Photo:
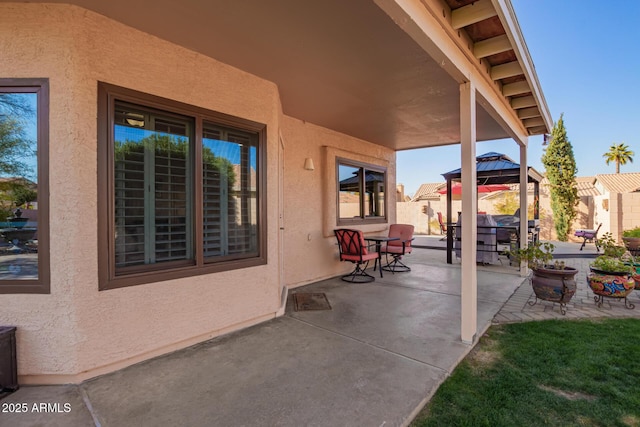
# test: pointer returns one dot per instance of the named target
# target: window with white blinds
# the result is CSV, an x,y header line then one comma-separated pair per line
x,y
185,189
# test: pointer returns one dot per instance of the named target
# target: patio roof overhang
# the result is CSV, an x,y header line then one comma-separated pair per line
x,y
386,71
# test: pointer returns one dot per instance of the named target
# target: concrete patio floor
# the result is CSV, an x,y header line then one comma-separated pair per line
x,y
375,358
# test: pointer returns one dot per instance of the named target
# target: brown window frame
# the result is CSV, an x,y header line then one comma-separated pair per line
x,y
41,285
108,276
362,218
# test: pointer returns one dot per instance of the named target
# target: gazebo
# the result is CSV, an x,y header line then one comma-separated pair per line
x,y
493,168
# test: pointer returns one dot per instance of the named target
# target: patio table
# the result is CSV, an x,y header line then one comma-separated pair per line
x,y
378,240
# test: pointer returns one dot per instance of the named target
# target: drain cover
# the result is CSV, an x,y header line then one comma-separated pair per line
x,y
310,301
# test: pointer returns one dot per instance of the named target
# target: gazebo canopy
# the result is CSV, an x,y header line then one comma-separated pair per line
x,y
496,168
493,168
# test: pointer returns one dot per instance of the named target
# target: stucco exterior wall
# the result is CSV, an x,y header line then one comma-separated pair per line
x,y
310,252
630,211
618,212
423,214
77,332
413,213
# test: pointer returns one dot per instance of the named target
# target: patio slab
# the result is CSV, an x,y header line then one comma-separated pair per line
x,y
284,372
375,358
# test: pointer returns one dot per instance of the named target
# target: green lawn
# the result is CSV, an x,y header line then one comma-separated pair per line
x,y
551,373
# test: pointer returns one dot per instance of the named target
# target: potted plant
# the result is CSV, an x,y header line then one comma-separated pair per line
x,y
610,275
553,282
633,262
631,239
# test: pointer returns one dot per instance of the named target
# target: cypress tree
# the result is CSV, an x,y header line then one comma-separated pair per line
x,y
560,165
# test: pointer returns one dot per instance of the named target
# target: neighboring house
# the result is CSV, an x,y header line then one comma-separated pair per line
x,y
176,201
400,196
617,206
421,210
428,191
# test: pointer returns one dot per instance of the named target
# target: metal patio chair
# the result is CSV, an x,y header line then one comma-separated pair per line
x,y
398,248
352,248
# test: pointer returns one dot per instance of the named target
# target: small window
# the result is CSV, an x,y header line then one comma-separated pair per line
x,y
185,186
24,193
361,192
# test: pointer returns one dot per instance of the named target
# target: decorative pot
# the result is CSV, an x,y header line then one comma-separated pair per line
x,y
632,244
550,284
636,275
611,285
554,285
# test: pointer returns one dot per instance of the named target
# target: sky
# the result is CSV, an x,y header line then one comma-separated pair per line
x,y
587,58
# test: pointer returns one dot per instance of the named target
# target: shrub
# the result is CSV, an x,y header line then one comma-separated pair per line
x,y
634,232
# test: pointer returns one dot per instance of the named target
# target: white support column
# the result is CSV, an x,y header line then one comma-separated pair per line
x,y
469,271
524,223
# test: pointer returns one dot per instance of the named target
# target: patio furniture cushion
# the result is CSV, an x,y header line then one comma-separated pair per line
x,y
398,248
352,248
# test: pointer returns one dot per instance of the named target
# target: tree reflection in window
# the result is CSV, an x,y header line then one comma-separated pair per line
x,y
18,184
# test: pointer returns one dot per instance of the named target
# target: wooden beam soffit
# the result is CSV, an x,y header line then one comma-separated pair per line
x,y
510,69
472,13
510,23
538,130
516,88
491,46
533,122
523,102
528,113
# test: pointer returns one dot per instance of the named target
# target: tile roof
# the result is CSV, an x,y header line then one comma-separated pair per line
x,y
428,191
584,184
586,187
619,182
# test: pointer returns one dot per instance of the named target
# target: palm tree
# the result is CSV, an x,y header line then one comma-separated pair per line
x,y
620,154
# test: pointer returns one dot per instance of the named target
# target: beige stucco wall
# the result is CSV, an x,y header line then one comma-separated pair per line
x,y
617,212
310,252
630,211
76,331
423,214
412,213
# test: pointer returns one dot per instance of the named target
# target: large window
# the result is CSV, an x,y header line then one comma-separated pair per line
x,y
185,189
361,192
24,214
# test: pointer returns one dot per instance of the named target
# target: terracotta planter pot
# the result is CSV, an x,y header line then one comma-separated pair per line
x,y
632,244
554,285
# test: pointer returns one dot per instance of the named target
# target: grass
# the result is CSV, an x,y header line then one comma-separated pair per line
x,y
550,373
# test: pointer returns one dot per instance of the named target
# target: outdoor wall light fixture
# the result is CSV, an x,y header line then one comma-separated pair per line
x,y
308,164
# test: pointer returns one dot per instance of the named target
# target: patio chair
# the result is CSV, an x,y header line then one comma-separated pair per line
x,y
590,236
353,249
398,248
443,226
